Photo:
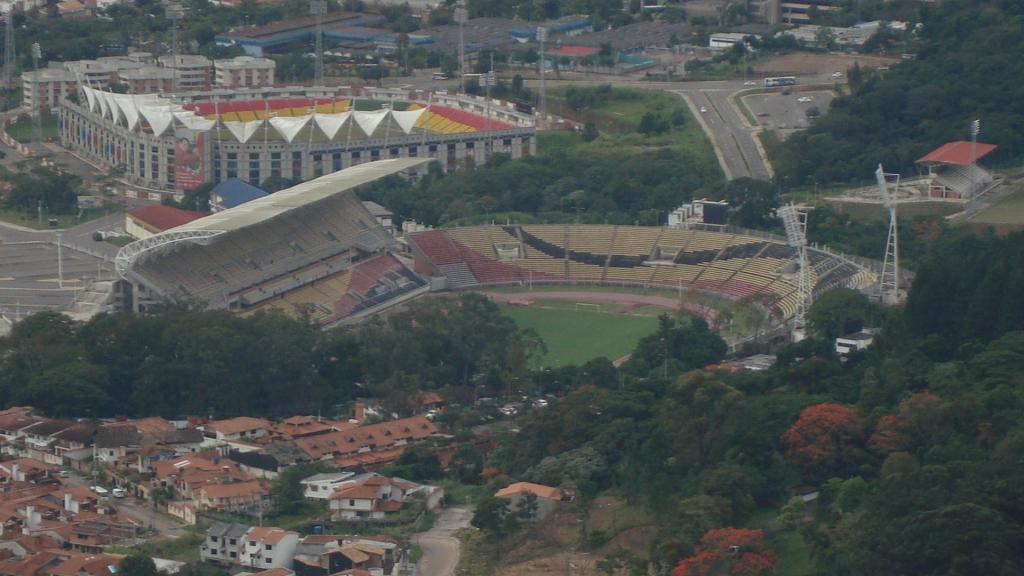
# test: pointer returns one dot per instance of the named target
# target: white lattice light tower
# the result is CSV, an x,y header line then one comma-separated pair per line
x,y
795,223
461,17
975,130
318,8
889,281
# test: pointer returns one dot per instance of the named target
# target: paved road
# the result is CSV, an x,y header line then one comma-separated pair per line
x,y
440,546
140,512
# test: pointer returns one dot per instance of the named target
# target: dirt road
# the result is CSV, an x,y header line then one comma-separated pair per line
x,y
439,544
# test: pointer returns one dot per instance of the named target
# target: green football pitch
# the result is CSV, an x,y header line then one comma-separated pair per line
x,y
576,336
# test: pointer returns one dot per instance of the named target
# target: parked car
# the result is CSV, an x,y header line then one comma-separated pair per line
x,y
703,110
750,83
837,74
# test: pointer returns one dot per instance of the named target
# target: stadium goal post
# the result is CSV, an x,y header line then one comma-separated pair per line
x,y
587,306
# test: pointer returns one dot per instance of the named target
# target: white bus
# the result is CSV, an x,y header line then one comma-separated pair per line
x,y
779,81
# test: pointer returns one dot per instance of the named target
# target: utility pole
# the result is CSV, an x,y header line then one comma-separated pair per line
x,y
542,37
9,58
60,260
318,8
174,12
461,17
37,127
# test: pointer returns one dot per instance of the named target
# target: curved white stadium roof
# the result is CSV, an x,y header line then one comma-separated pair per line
x,y
266,208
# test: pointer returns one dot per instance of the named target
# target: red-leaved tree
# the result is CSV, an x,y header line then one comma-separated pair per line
x,y
826,440
917,420
728,551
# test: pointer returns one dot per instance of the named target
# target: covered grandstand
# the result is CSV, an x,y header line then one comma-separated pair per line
x,y
176,144
311,249
738,265
954,172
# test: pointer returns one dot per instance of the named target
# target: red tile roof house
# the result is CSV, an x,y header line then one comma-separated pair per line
x,y
548,498
233,497
241,428
150,220
374,498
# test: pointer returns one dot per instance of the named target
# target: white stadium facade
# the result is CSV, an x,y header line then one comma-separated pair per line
x,y
172,144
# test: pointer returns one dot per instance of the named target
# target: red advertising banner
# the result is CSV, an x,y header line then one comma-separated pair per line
x,y
189,157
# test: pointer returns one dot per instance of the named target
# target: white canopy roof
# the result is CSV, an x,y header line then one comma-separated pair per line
x,y
242,131
126,104
330,124
90,96
368,121
289,126
159,117
406,119
194,122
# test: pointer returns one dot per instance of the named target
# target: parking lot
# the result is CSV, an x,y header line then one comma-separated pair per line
x,y
29,280
787,113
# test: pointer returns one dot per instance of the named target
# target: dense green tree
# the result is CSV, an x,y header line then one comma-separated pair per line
x,y
137,565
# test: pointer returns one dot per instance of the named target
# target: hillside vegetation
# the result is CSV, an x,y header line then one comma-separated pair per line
x,y
970,66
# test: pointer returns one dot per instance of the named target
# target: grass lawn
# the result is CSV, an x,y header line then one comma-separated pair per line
x,y
184,549
1009,210
860,211
618,118
794,557
21,129
31,219
575,337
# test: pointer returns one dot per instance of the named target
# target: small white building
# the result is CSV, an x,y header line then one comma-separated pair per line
x,y
321,486
726,40
268,547
854,342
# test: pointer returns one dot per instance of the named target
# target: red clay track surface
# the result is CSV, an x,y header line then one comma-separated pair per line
x,y
708,314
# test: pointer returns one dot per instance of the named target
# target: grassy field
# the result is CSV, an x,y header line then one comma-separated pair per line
x,y
31,219
906,210
574,337
618,118
793,555
1008,211
21,130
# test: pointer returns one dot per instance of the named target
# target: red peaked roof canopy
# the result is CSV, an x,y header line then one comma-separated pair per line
x,y
165,217
961,153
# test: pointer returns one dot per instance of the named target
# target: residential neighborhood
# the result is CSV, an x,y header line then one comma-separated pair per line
x,y
70,490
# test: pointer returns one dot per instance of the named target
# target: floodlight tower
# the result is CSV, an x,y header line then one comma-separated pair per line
x,y
542,37
461,17
975,130
889,281
37,128
9,57
174,12
795,223
318,8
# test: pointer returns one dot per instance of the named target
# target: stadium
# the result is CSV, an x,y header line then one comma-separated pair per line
x,y
748,266
311,250
314,251
173,144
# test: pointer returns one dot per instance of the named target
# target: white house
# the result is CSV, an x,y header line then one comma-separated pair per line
x,y
268,547
321,486
371,499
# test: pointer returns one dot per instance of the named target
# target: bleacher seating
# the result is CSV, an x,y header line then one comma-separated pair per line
x,y
733,265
